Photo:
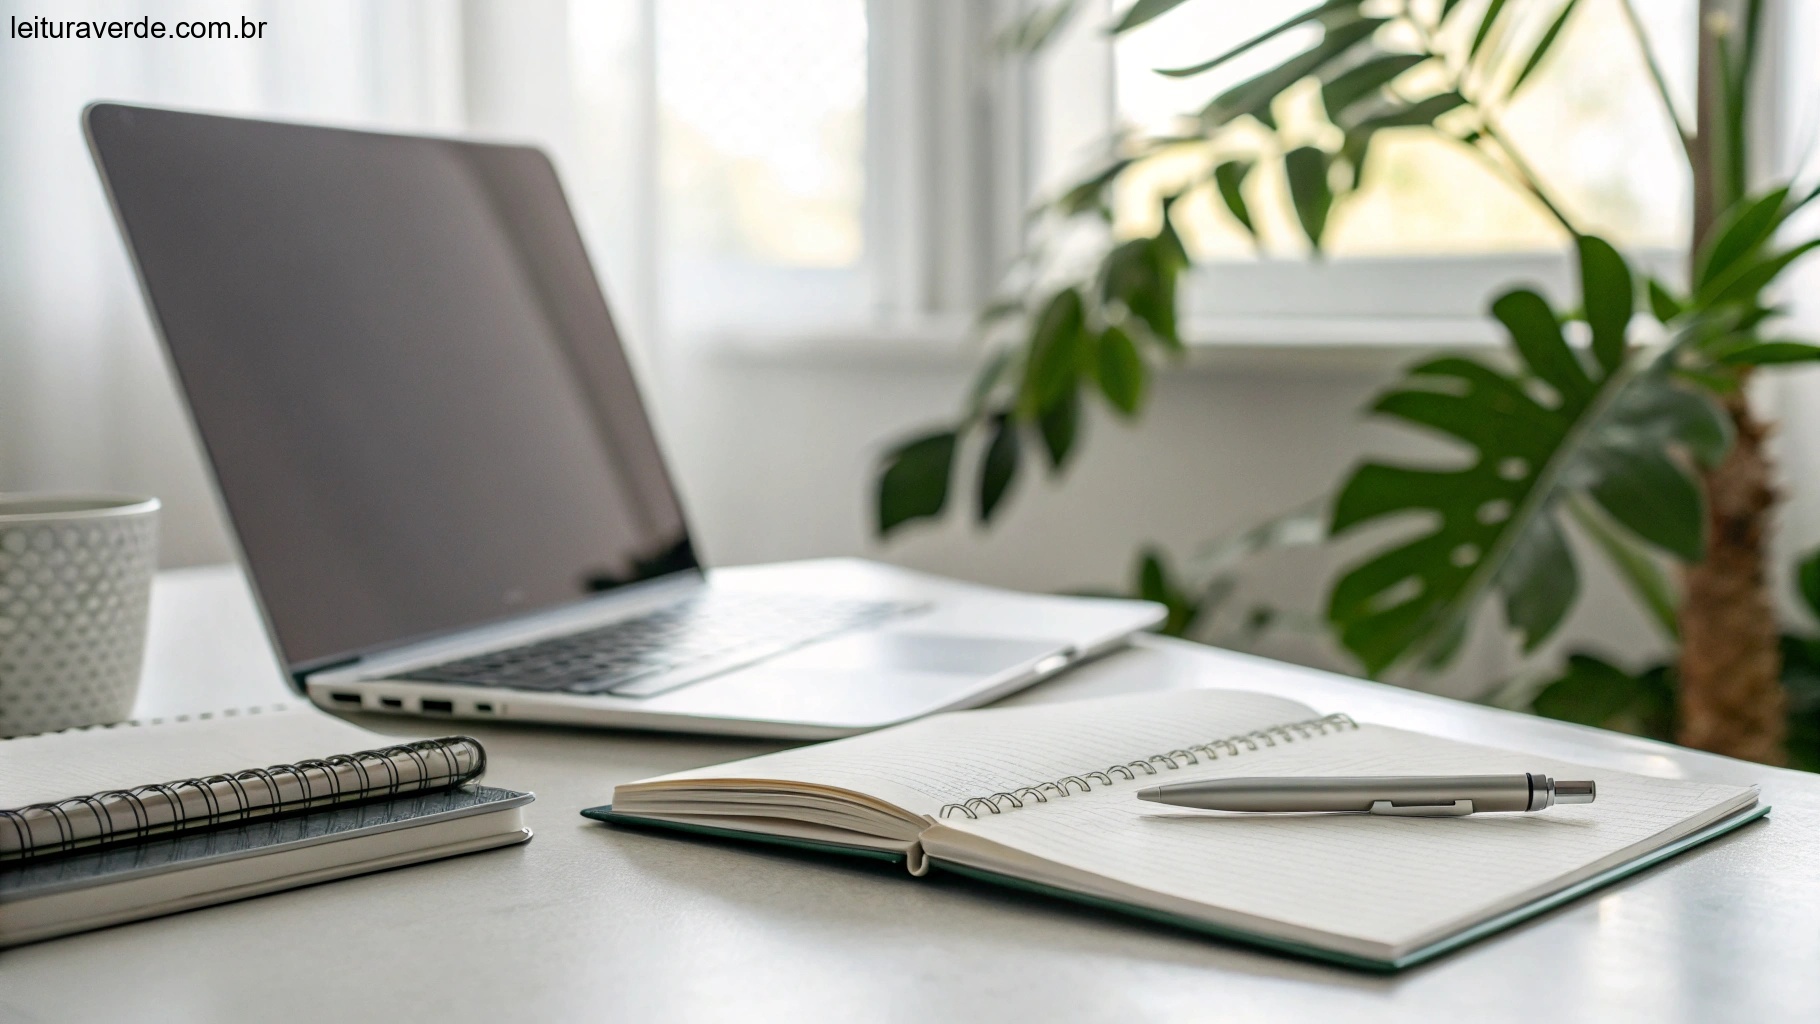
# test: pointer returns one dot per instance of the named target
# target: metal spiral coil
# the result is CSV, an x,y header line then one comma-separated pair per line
x,y
166,807
1194,753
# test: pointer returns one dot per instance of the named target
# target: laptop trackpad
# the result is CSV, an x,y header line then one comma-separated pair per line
x,y
947,653
863,679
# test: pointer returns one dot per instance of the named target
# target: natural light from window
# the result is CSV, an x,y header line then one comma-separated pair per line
x,y
762,122
1589,122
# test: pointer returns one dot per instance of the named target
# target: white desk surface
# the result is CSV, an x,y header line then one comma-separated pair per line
x,y
592,922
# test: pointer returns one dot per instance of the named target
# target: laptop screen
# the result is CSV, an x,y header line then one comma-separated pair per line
x,y
402,369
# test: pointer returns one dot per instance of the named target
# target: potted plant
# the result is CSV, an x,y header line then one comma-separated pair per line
x,y
1646,443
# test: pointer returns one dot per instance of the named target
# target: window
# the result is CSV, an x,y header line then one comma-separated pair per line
x,y
791,165
1589,123
845,168
761,121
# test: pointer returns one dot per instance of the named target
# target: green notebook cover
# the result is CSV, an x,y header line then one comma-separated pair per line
x,y
607,814
1429,952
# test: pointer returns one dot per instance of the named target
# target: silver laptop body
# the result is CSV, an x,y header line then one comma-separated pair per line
x,y
442,478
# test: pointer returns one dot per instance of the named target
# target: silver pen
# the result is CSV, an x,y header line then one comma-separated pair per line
x,y
1411,795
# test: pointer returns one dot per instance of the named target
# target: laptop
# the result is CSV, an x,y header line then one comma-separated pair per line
x,y
445,488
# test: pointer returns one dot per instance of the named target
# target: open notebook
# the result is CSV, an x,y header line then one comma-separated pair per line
x,y
1043,797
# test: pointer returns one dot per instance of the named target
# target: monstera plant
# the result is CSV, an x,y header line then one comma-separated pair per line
x,y
1642,440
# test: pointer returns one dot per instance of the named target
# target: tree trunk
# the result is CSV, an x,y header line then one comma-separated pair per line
x,y
1731,698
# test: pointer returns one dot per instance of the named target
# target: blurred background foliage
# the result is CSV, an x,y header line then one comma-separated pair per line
x,y
1622,418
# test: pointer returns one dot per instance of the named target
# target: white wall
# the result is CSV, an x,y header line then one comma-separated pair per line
x,y
776,456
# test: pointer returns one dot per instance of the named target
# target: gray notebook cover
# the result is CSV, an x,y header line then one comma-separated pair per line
x,y
41,876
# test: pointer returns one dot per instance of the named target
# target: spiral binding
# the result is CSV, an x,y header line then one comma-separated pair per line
x,y
184,805
998,803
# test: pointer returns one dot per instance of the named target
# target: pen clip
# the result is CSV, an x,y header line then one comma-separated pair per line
x,y
1457,809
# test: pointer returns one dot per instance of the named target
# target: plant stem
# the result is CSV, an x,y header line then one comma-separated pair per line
x,y
1526,176
1656,76
1518,172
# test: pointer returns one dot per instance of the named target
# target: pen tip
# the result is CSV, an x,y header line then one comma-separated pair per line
x,y
1152,793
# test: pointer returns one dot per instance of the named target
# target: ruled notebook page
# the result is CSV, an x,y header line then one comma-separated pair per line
x,y
945,758
1397,882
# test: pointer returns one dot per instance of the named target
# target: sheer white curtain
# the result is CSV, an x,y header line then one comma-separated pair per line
x,y
85,400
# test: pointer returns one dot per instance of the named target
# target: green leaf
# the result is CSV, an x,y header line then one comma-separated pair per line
x,y
1801,681
1141,275
1637,568
1609,296
914,484
986,382
1539,583
1654,412
1312,14
1491,16
1536,333
1121,371
1088,194
1054,366
999,467
1542,46
1807,581
1713,381
1156,583
1143,11
1662,303
1229,178
1171,253
1654,498
1366,80
1741,231
1421,114
1306,167
1255,95
1592,691
1771,352
1745,279
1059,425
1490,525
1152,578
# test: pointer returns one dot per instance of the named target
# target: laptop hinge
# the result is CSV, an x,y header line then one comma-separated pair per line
x,y
303,672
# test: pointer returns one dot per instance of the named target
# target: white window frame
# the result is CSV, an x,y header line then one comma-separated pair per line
x,y
961,141
1385,303
943,110
946,184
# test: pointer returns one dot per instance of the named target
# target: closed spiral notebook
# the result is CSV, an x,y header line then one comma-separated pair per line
x,y
1042,798
109,824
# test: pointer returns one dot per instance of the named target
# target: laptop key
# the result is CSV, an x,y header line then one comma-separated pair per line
x,y
695,671
671,647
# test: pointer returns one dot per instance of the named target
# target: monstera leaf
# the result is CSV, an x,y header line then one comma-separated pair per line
x,y
1610,424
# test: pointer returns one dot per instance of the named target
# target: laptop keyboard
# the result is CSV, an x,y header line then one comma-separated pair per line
x,y
686,642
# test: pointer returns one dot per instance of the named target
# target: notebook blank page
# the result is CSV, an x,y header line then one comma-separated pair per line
x,y
948,758
1385,880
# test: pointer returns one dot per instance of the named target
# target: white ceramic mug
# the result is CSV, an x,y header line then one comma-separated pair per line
x,y
75,587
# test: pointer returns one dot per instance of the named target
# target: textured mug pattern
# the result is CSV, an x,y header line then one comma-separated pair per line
x,y
75,588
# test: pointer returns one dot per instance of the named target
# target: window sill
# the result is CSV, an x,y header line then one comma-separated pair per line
x,y
1298,343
